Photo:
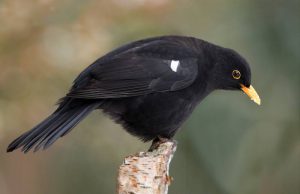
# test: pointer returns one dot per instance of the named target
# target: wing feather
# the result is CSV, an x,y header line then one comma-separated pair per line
x,y
139,71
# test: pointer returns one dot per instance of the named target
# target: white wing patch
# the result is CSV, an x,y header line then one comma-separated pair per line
x,y
174,65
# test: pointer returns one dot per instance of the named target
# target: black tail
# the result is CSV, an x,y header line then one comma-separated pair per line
x,y
63,120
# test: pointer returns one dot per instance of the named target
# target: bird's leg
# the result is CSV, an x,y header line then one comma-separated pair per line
x,y
157,141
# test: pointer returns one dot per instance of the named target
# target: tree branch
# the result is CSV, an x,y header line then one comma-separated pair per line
x,y
147,172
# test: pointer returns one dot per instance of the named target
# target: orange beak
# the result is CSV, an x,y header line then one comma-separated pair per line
x,y
251,93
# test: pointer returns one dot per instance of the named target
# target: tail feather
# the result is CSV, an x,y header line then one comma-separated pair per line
x,y
41,135
51,137
29,135
53,127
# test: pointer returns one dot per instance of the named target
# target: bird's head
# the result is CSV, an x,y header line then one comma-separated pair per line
x,y
232,72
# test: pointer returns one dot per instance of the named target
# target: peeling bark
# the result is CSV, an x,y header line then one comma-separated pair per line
x,y
147,172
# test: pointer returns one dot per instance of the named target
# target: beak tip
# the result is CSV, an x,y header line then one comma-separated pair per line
x,y
258,103
250,91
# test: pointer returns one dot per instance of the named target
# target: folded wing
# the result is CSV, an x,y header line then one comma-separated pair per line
x,y
144,69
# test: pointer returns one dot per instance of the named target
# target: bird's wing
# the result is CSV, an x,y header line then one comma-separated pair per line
x,y
145,69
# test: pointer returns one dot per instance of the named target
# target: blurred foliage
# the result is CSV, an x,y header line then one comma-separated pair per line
x,y
229,145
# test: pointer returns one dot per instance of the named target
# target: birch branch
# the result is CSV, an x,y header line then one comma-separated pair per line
x,y
147,172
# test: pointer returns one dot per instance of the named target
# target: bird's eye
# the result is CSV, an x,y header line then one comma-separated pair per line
x,y
236,74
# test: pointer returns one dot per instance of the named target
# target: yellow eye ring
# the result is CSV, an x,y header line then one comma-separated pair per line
x,y
236,74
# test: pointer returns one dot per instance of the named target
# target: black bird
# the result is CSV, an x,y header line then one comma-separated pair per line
x,y
149,86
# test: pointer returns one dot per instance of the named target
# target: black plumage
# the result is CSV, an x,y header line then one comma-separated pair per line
x,y
149,86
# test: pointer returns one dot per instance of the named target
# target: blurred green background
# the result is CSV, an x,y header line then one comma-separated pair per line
x,y
228,146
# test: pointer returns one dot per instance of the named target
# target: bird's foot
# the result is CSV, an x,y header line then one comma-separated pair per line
x,y
157,141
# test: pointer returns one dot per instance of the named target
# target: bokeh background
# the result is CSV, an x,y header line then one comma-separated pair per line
x,y
228,146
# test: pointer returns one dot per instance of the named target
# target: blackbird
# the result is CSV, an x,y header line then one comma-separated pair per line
x,y
149,86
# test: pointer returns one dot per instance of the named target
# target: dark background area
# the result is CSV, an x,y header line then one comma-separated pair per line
x,y
228,146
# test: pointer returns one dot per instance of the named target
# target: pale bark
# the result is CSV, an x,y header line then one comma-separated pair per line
x,y
147,172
